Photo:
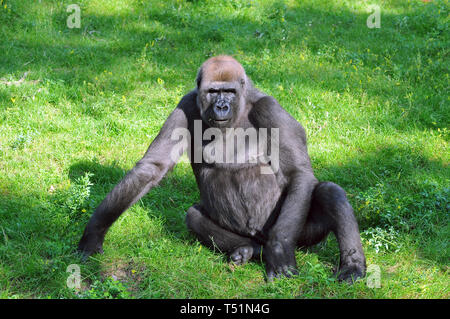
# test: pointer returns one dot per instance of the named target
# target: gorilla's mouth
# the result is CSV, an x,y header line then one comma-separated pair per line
x,y
221,122
218,121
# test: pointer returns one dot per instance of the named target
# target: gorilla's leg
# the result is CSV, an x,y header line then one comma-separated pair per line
x,y
239,248
331,211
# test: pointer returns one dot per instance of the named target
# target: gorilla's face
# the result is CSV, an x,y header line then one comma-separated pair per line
x,y
219,103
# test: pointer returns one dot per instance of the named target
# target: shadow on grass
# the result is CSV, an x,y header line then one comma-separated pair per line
x,y
169,200
36,228
38,235
373,176
184,38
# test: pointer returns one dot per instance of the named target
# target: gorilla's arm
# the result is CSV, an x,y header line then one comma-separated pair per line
x,y
279,250
147,173
295,168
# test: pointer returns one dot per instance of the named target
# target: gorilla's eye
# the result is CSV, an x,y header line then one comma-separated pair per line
x,y
213,91
230,91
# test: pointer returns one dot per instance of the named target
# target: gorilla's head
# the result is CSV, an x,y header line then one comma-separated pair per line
x,y
221,87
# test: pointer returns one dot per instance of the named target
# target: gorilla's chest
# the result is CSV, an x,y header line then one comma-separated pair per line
x,y
241,200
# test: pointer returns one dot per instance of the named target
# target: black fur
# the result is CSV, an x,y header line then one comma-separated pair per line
x,y
242,212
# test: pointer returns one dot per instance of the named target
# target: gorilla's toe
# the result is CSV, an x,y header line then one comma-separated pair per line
x,y
241,255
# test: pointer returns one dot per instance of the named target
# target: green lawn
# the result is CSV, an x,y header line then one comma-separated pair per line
x,y
374,103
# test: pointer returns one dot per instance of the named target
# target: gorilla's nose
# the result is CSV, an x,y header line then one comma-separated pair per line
x,y
221,111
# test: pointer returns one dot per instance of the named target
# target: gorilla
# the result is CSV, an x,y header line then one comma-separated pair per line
x,y
250,206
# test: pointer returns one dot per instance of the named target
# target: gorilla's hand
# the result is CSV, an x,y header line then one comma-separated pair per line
x,y
279,259
91,243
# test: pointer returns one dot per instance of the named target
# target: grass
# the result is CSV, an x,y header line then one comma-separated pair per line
x,y
374,103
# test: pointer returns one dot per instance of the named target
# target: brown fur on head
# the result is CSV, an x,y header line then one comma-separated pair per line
x,y
222,68
222,87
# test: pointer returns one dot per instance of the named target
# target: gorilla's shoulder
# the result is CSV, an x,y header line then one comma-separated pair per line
x,y
268,107
267,102
267,112
188,102
189,99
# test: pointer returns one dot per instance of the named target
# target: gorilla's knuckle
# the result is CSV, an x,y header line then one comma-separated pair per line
x,y
244,250
277,248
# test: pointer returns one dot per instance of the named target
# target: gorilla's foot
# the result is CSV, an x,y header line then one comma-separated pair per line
x,y
243,254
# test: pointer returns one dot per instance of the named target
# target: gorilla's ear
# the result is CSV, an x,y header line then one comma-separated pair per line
x,y
199,78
